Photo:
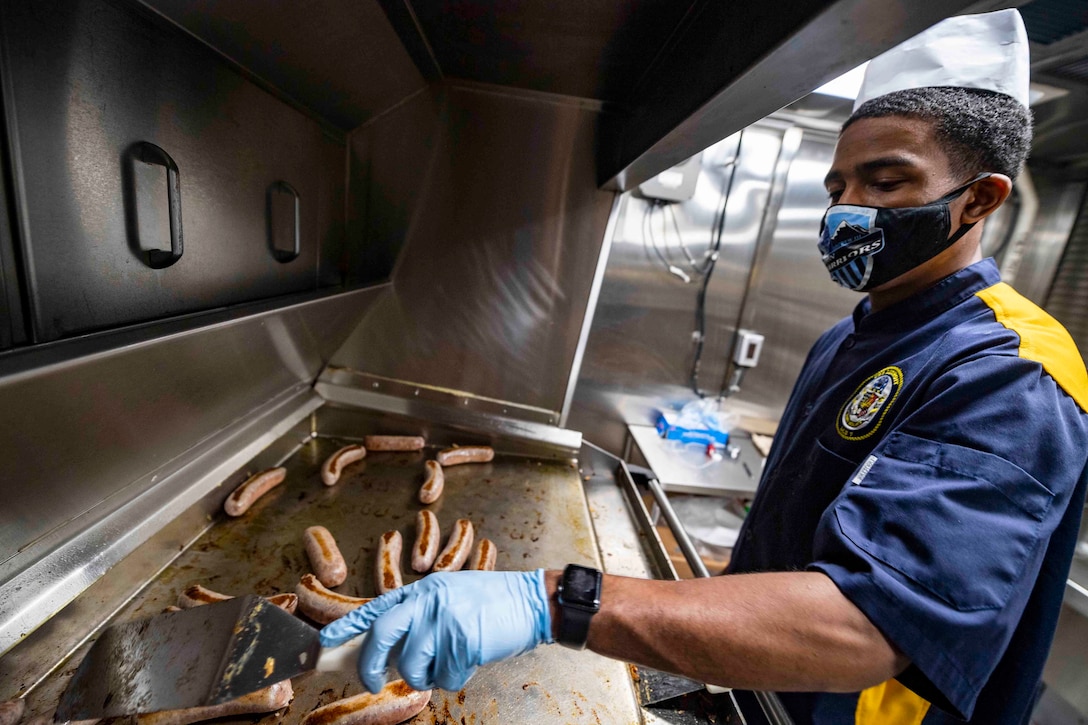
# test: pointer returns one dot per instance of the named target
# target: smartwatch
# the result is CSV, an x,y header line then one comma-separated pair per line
x,y
579,598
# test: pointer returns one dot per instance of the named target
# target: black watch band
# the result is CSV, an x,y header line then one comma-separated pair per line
x,y
579,598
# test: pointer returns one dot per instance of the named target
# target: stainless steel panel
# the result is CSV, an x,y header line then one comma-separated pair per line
x,y
794,300
102,421
534,511
439,397
390,166
501,247
640,351
339,58
61,565
86,80
1058,148
569,47
591,307
23,667
1067,299
12,326
476,424
1059,205
735,63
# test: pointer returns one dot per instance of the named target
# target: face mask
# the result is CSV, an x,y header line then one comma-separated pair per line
x,y
865,246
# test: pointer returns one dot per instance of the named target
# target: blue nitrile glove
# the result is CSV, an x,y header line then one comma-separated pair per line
x,y
447,625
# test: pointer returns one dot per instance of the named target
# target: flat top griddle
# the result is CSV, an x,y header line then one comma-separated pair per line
x,y
534,511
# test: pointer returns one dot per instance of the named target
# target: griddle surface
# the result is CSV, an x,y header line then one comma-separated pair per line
x,y
534,511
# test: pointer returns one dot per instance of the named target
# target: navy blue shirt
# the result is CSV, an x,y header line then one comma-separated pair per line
x,y
932,462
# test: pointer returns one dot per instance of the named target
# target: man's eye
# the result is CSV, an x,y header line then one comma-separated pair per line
x,y
888,185
834,194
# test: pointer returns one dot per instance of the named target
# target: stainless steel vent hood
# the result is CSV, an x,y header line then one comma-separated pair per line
x,y
676,76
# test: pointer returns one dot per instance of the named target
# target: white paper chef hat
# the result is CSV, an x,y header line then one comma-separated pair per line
x,y
987,51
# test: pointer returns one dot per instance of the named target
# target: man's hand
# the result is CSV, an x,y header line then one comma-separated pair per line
x,y
446,625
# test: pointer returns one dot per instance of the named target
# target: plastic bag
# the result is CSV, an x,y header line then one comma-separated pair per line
x,y
704,413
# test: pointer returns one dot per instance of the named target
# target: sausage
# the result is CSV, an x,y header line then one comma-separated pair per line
x,y
12,711
320,604
395,443
387,575
484,558
335,464
467,454
428,537
271,698
457,548
395,703
252,489
288,601
433,485
325,556
197,595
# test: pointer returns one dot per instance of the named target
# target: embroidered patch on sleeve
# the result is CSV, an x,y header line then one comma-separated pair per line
x,y
863,413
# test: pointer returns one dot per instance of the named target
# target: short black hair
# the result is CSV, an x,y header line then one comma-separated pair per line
x,y
978,130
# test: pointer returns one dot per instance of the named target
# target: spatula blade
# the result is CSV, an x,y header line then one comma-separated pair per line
x,y
201,656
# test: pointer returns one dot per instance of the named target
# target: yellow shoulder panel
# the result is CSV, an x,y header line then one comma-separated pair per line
x,y
1042,339
890,703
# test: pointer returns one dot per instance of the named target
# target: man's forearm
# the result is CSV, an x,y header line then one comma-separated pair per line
x,y
778,631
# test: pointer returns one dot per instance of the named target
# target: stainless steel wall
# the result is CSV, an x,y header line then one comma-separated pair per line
x,y
793,299
1067,297
639,354
640,350
1059,204
502,226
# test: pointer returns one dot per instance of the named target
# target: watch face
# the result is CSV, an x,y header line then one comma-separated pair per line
x,y
581,585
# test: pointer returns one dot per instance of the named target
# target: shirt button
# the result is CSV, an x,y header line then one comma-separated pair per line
x,y
848,342
808,409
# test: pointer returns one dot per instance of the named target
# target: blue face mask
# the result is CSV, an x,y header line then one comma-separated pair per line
x,y
865,246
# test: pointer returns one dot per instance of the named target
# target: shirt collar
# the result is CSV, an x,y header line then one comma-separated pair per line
x,y
930,302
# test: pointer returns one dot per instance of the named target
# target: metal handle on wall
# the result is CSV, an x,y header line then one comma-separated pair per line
x,y
149,153
284,255
772,707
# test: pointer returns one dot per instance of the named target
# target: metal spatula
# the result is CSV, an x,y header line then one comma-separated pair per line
x,y
201,656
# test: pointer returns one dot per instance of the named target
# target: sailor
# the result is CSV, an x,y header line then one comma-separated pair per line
x,y
905,557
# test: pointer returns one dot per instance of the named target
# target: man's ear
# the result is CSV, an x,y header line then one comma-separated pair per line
x,y
984,197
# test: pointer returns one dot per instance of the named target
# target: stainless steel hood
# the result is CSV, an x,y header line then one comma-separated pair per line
x,y
676,76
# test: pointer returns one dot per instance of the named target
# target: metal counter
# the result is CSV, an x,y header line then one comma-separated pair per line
x,y
686,469
535,511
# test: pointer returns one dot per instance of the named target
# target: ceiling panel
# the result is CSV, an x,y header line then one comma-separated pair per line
x,y
1049,21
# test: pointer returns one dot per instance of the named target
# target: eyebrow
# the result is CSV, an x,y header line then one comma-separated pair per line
x,y
872,165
